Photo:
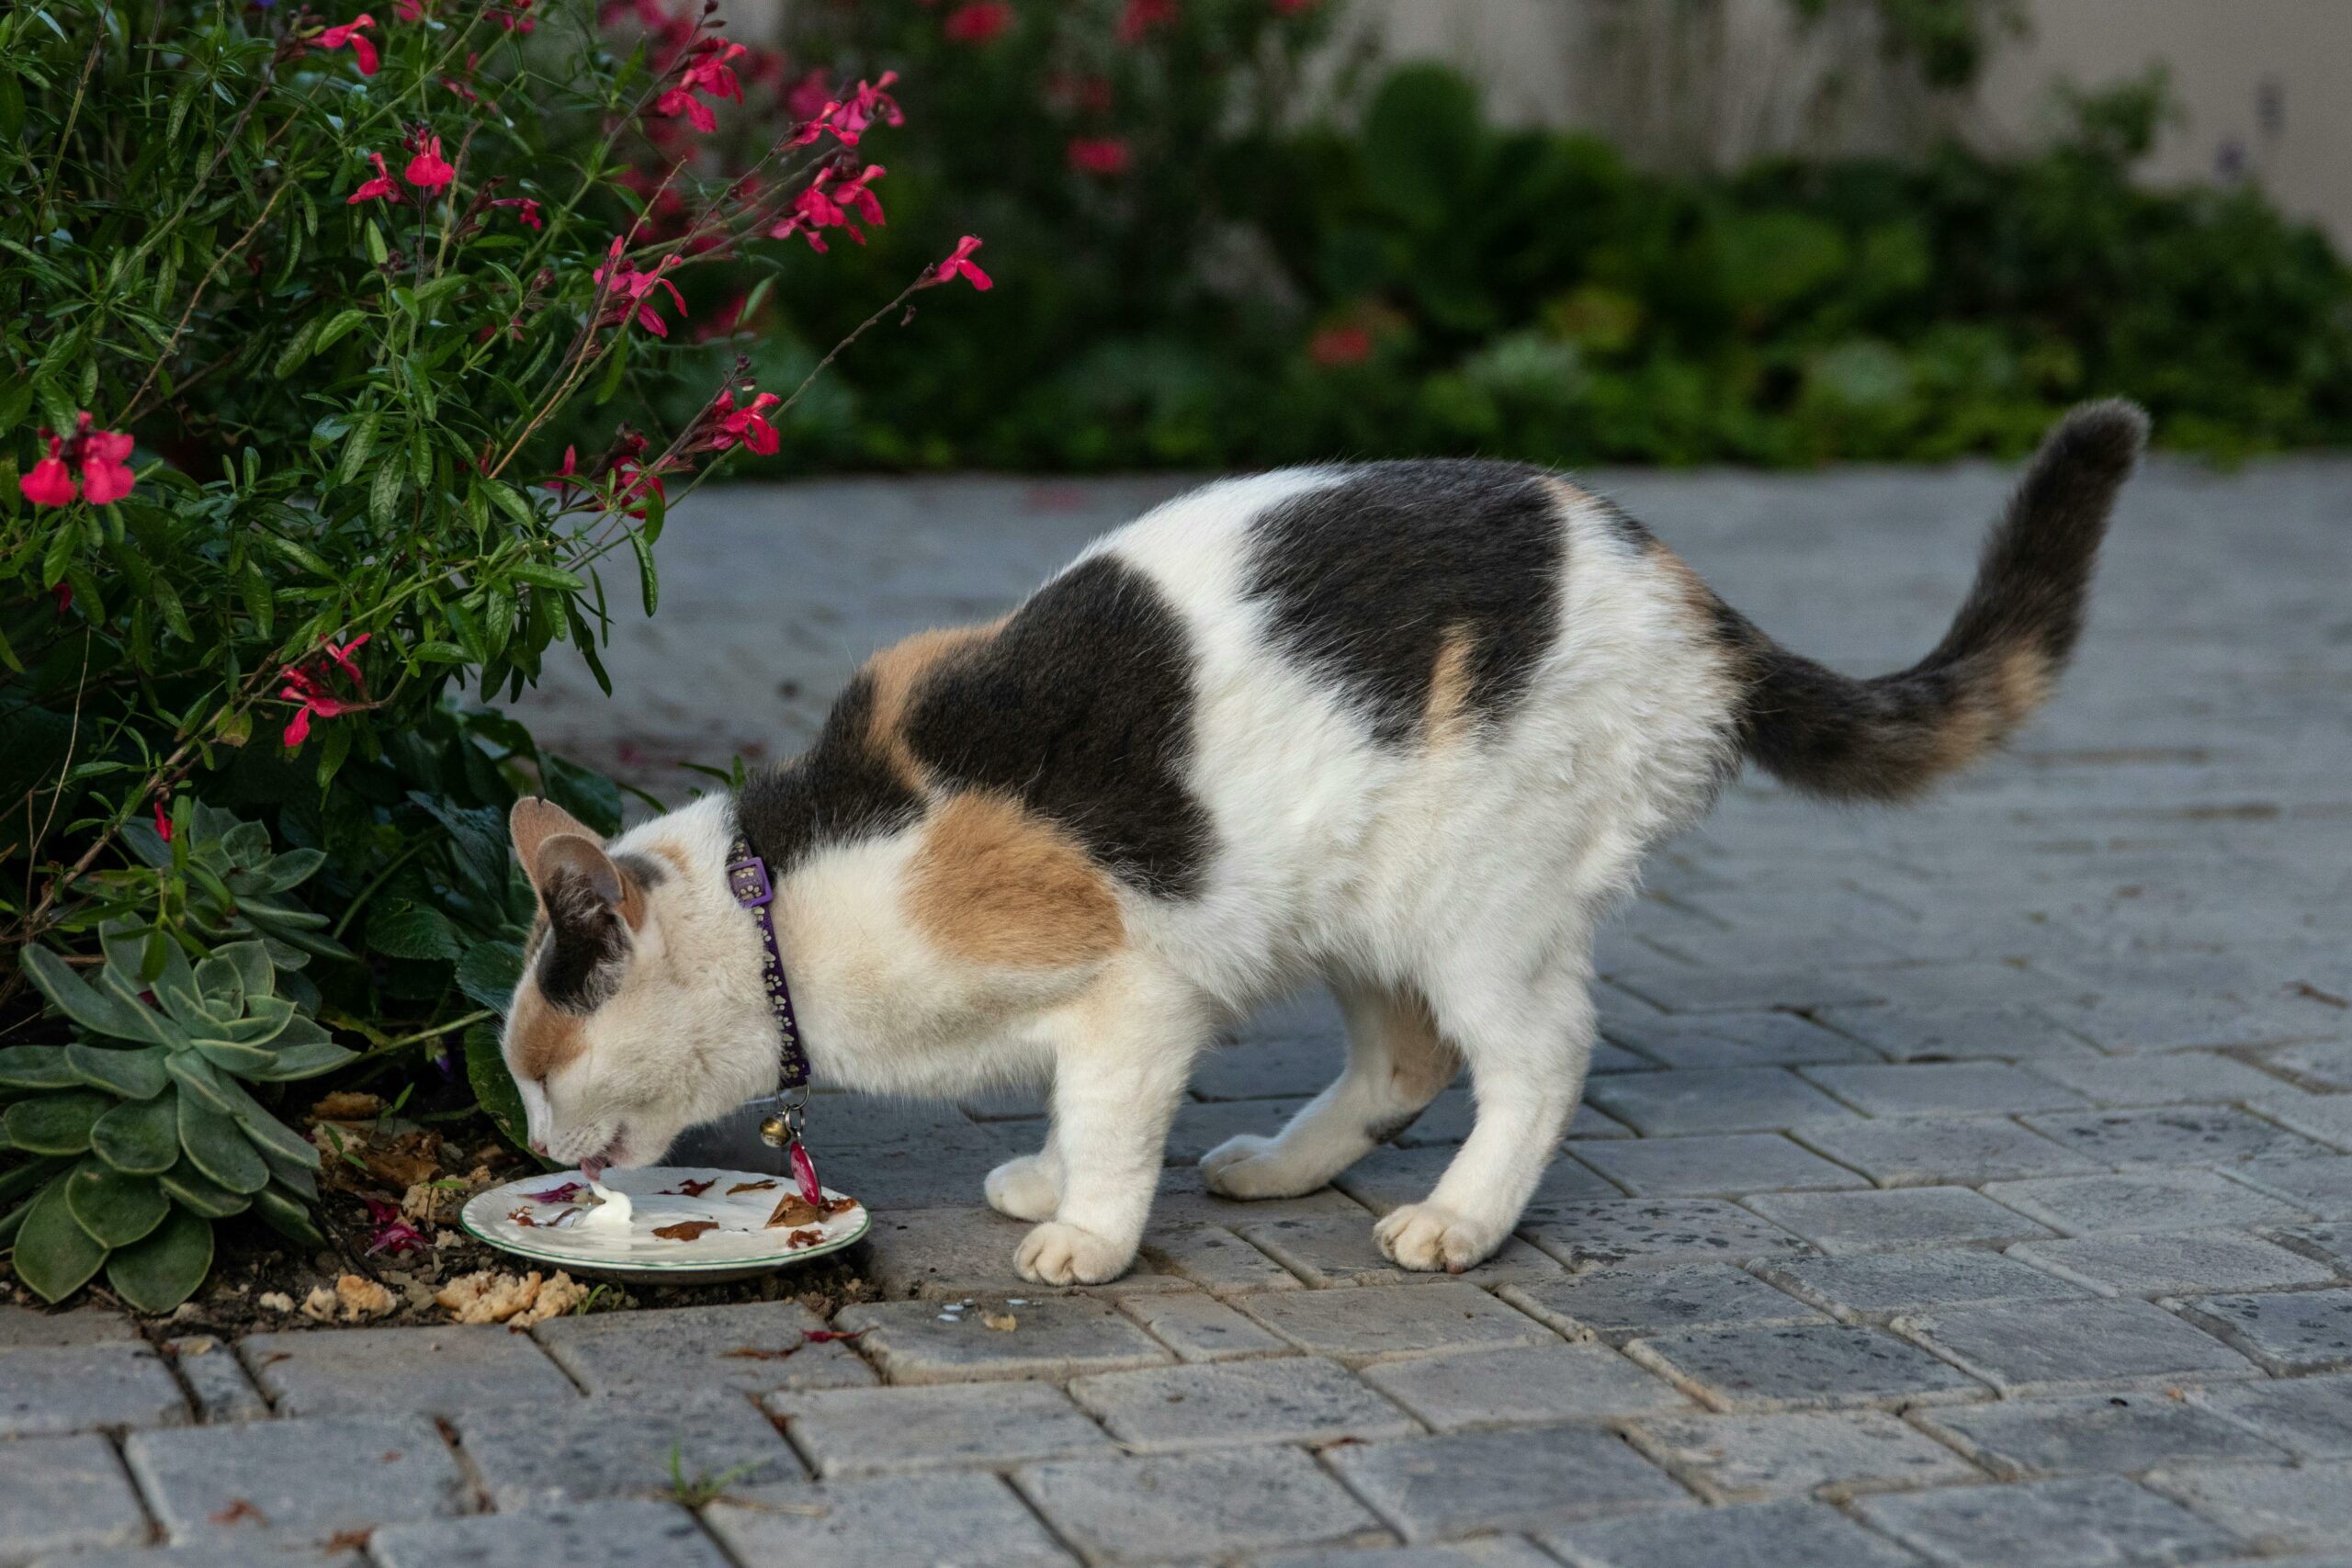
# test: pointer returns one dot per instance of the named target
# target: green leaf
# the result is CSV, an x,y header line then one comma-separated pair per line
x,y
288,870
384,494
493,1086
511,500
308,1061
244,1061
274,1138
116,1208
37,1066
252,960
355,449
585,793
199,1194
648,582
539,576
194,1075
158,1273
54,1255
411,931
293,1175
217,1146
489,973
99,1011
287,1215
297,348
57,1122
376,252
132,1073
139,1137
221,986
265,1018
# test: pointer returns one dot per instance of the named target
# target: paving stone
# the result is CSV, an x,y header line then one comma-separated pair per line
x,y
2184,1079
1184,1200
2269,1508
1202,1328
2327,1064
2163,1019
1388,1177
750,1346
1517,1478
1724,1165
2091,1522
871,1431
1727,1099
2288,1332
2320,1185
913,1342
2322,1118
1981,983
1930,1151
60,1493
1372,1322
1333,1249
1448,1118
896,1522
893,1177
1268,1069
437,1371
2313,1416
1695,990
1487,1552
1212,1505
1617,1304
1740,1040
1943,1089
1201,1125
948,1253
218,1380
79,1388
1296,1400
581,1534
2180,1263
1834,1454
2093,1434
1872,1287
1814,1366
2147,1201
251,1551
1217,1260
1648,1232
620,1444
1522,1387
1898,1219
2172,1136
309,1479
2066,1346
1912,1033
1793,1534
30,1328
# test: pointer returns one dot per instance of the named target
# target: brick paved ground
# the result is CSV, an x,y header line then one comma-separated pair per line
x,y
1966,1185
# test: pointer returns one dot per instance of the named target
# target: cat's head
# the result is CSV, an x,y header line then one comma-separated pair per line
x,y
638,1013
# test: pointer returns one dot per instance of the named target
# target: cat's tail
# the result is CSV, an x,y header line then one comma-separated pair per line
x,y
1893,737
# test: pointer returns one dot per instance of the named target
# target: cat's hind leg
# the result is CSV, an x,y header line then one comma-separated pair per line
x,y
1528,1046
1398,1063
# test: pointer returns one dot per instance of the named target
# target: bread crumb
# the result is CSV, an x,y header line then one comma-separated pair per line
x,y
555,1297
483,1296
319,1305
275,1301
362,1298
1002,1321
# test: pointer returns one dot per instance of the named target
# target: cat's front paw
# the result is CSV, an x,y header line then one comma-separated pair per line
x,y
1056,1254
1249,1166
1427,1237
1025,1189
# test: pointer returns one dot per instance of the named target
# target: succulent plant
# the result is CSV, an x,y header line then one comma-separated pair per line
x,y
142,1133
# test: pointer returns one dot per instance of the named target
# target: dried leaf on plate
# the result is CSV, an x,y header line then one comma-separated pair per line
x,y
690,1188
751,1186
685,1230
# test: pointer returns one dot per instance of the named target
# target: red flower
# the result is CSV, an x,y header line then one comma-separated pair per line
x,y
393,1234
310,688
1343,344
811,97
377,188
411,10
824,205
1099,155
163,823
529,215
1142,17
361,49
106,474
747,425
51,482
872,101
428,171
977,22
628,288
959,264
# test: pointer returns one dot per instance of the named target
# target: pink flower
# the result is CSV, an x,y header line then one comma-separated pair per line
x,y
342,656
810,98
163,823
959,264
1142,17
746,425
1346,344
977,22
825,205
51,482
105,471
414,10
428,170
528,216
872,101
628,288
309,689
561,483
361,49
1099,155
393,1234
377,188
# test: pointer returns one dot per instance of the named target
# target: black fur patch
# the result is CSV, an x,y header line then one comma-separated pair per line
x,y
839,790
1367,578
579,965
1081,709
644,870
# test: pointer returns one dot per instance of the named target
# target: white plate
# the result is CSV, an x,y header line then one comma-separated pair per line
x,y
741,1247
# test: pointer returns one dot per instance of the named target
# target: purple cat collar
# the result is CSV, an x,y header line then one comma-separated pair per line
x,y
747,879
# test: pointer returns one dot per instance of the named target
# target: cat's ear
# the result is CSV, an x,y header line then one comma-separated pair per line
x,y
577,859
534,820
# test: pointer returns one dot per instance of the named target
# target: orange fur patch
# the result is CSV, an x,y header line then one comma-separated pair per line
x,y
544,1039
1446,716
994,885
897,670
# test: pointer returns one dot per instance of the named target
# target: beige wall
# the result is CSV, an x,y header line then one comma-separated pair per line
x,y
2267,85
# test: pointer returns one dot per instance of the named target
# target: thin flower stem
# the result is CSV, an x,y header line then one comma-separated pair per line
x,y
132,409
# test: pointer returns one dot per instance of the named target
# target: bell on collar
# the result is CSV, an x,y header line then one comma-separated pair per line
x,y
776,1132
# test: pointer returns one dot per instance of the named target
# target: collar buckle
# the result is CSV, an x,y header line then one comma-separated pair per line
x,y
747,879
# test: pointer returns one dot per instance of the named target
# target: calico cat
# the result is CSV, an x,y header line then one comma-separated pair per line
x,y
1405,729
